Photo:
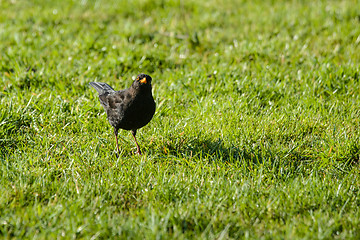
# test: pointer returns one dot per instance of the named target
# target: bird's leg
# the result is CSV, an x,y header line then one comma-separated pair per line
x,y
117,144
133,132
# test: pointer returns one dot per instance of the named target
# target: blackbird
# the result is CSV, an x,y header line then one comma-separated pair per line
x,y
128,109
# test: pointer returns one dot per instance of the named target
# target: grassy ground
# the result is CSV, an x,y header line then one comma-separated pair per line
x,y
256,133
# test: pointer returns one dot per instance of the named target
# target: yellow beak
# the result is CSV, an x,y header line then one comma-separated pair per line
x,y
143,80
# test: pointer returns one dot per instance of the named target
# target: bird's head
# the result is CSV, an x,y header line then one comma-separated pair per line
x,y
142,81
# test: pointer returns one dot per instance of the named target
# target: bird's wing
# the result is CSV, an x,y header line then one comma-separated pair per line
x,y
102,88
114,100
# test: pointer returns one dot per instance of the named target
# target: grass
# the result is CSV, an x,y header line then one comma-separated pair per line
x,y
256,133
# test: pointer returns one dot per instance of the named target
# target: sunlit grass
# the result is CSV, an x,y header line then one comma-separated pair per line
x,y
256,132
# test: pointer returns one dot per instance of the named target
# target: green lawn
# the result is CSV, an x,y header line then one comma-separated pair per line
x,y
256,133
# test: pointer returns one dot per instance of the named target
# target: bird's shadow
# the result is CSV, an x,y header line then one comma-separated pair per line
x,y
248,154
215,150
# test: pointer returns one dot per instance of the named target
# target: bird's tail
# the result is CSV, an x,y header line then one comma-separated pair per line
x,y
102,87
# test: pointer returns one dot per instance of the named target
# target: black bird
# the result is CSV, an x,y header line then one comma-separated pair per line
x,y
128,109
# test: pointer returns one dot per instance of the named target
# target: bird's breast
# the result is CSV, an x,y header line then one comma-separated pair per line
x,y
137,113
